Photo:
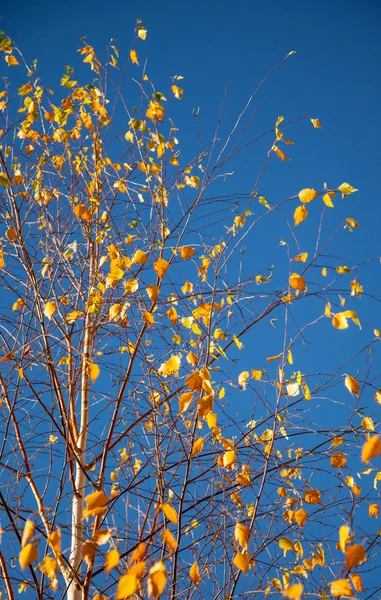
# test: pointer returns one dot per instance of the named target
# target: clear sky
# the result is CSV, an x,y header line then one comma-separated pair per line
x,y
334,76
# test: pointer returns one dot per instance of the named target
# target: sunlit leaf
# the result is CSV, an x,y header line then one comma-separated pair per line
x,y
170,513
354,555
352,385
28,532
241,535
28,555
297,282
169,540
312,497
307,195
128,585
346,189
371,449
341,587
157,578
194,573
293,592
111,560
242,561
49,310
93,371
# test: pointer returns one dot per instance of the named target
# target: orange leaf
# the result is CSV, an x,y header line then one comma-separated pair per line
x,y
139,553
371,448
352,385
169,540
148,318
341,587
354,555
301,516
357,582
170,513
161,267
297,282
187,252
194,573
241,561
197,446
111,560
241,535
312,497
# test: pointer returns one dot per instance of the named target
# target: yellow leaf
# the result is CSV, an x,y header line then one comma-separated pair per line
x,y
307,195
153,292
139,258
157,578
301,257
241,561
237,342
286,544
142,33
346,189
352,222
301,516
114,311
93,371
171,366
4,181
324,271
134,57
241,535
371,448
177,92
279,153
148,318
344,537
28,532
28,555
55,542
312,497
18,304
111,560
11,61
194,573
293,592
327,201
256,374
367,423
192,181
184,401
352,385
340,320
377,396
343,269
96,504
139,553
102,536
297,282
127,586
354,555
229,459
341,587
161,267
73,316
138,569
374,510
197,446
187,252
169,540
49,310
49,567
170,513
316,123
300,215
242,378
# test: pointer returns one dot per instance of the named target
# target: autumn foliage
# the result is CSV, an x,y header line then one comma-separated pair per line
x,y
179,419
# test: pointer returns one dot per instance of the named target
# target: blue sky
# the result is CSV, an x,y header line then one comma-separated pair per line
x,y
334,75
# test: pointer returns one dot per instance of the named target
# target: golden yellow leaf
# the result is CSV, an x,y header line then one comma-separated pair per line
x,y
297,282
93,371
242,561
11,60
338,460
96,504
177,91
293,592
157,577
192,181
171,366
316,123
142,33
28,555
307,195
374,510
161,267
153,292
300,215
102,536
127,586
139,258
49,567
344,537
341,587
354,555
285,544
49,310
187,252
377,396
327,201
352,222
367,423
312,497
55,542
73,316
340,320
302,257
197,446
170,513
169,540
28,532
371,448
357,582
352,385
237,342
229,459
134,57
301,516
172,315
346,189
279,153
138,553
185,401
256,374
111,560
241,535
194,573
194,381
148,318
138,569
